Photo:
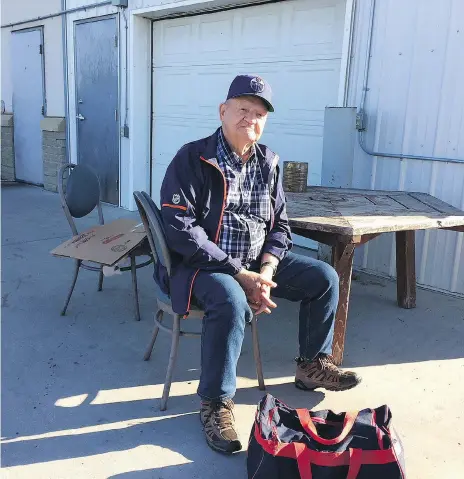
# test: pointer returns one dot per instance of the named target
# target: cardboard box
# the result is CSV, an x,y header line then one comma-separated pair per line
x,y
104,244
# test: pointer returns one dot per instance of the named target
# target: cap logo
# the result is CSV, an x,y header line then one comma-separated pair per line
x,y
257,84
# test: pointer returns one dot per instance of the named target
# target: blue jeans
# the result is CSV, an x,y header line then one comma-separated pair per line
x,y
299,278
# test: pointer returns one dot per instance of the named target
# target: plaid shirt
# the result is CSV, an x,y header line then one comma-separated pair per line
x,y
248,204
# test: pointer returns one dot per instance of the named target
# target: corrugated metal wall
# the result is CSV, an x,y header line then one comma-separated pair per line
x,y
415,105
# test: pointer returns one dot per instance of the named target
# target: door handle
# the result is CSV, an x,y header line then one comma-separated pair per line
x,y
80,117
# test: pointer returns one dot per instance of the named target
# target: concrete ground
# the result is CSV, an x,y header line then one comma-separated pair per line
x,y
79,402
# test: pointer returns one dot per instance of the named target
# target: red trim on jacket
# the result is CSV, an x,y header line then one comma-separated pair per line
x,y
179,207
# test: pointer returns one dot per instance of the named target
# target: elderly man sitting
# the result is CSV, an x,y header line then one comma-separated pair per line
x,y
223,208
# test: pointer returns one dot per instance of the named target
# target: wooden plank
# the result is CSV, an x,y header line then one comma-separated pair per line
x,y
459,229
342,259
322,224
406,269
345,212
365,238
438,205
322,237
412,204
351,191
362,225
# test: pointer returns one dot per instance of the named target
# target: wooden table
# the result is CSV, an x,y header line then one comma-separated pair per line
x,y
346,218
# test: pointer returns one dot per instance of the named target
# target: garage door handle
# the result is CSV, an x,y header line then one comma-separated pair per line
x,y
80,117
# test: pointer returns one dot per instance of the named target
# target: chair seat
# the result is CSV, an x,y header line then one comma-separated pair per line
x,y
164,303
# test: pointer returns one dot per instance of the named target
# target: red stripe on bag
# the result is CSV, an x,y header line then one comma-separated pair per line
x,y
300,452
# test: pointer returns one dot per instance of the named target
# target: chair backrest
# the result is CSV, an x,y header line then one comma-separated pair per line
x,y
82,193
153,223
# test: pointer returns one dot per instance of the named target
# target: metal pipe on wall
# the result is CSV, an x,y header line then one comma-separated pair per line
x,y
361,110
57,14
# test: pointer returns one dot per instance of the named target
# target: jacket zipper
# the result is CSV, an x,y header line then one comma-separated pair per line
x,y
217,231
216,240
273,167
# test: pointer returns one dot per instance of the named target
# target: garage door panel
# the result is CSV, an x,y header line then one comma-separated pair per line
x,y
303,145
157,181
302,89
174,132
255,38
317,27
302,79
216,36
172,42
191,93
300,30
292,86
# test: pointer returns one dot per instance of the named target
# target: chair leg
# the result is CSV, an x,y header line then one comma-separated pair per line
x,y
134,287
257,354
77,266
172,361
159,317
100,279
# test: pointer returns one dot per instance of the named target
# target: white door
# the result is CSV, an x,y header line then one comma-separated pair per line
x,y
28,103
295,45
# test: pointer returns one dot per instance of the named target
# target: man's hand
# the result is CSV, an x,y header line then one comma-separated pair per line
x,y
257,288
265,293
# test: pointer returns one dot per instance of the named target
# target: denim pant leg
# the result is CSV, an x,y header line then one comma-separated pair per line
x,y
226,311
316,285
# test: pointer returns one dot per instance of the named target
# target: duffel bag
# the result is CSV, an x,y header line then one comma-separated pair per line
x,y
288,443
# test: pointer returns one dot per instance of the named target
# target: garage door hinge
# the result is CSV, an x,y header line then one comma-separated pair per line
x,y
43,110
117,185
115,40
41,49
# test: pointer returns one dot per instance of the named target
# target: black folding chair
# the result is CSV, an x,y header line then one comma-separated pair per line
x,y
151,217
81,197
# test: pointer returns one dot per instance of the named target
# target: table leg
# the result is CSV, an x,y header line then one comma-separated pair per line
x,y
406,269
342,259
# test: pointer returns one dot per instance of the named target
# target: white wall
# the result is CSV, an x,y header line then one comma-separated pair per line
x,y
415,105
16,10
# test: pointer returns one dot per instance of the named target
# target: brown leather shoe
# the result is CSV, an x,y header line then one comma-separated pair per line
x,y
322,372
218,422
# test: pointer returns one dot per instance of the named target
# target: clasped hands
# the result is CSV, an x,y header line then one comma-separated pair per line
x,y
257,287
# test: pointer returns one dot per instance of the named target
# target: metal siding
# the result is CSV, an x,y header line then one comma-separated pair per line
x,y
415,105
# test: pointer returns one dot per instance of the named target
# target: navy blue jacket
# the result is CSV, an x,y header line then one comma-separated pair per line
x,y
193,197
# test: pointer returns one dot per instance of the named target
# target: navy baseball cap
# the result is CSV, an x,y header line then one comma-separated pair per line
x,y
252,85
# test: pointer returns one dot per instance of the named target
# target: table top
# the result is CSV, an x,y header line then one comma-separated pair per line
x,y
354,212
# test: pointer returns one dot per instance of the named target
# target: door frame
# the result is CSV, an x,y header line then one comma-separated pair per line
x,y
114,16
40,29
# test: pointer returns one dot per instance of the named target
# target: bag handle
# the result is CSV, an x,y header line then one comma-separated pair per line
x,y
310,428
355,463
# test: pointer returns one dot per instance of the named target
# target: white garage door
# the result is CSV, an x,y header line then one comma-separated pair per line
x,y
295,45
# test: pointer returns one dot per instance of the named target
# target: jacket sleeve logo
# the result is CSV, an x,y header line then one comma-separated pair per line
x,y
176,199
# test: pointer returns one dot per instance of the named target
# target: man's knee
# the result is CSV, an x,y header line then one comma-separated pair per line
x,y
328,277
229,299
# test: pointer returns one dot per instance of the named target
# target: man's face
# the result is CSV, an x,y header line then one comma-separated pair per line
x,y
243,119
